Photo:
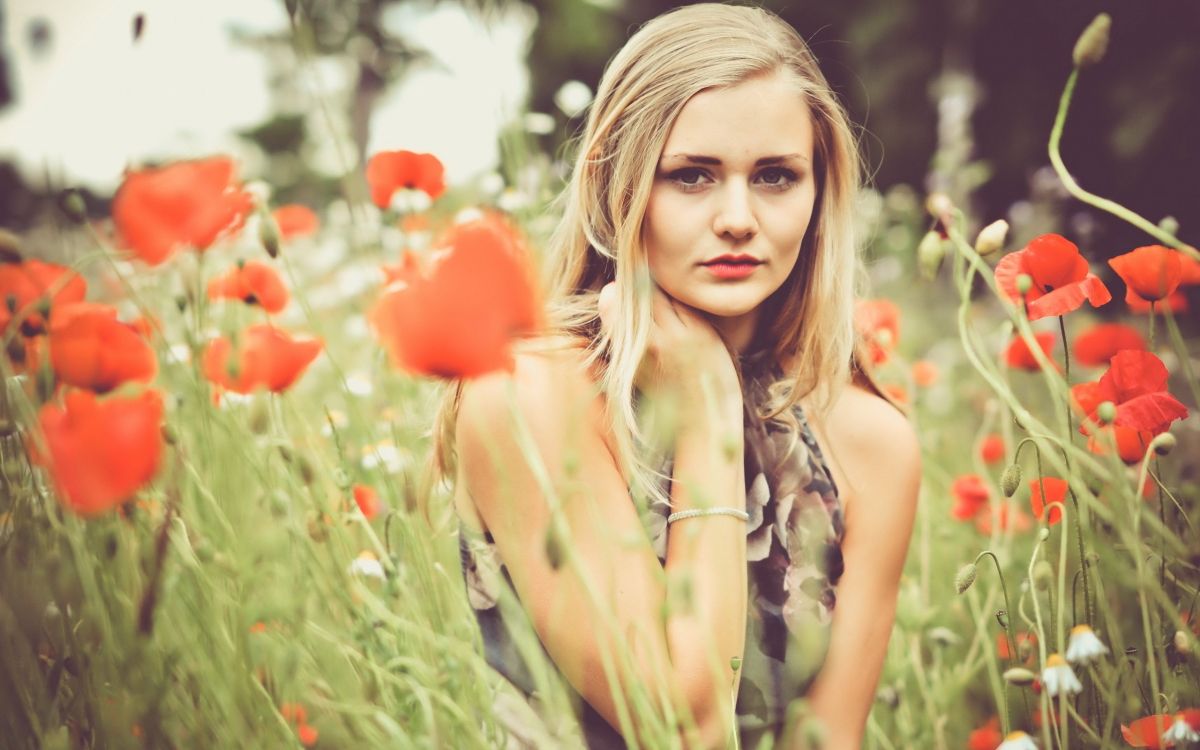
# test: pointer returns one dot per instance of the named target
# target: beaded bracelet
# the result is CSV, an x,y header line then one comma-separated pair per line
x,y
707,512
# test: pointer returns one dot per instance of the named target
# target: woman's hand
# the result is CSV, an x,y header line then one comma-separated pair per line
x,y
683,351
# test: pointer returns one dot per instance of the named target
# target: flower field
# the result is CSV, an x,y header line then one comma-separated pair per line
x,y
220,523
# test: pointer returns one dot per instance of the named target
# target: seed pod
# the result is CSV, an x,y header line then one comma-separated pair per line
x,y
1169,224
1093,42
966,577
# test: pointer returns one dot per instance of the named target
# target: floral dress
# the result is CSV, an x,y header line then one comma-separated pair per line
x,y
794,560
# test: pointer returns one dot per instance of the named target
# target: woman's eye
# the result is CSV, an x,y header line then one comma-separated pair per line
x,y
777,177
690,177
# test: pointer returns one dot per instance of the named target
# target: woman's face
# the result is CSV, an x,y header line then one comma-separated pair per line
x,y
732,200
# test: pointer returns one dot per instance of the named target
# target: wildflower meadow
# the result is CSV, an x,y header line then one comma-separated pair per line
x,y
220,523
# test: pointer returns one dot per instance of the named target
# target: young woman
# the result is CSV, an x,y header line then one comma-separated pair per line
x,y
686,474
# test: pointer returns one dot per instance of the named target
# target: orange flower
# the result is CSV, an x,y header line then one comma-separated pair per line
x,y
458,319
878,322
1019,356
389,171
267,358
1096,346
252,282
99,453
90,348
971,495
23,285
986,737
992,450
294,713
1026,642
188,204
307,734
1151,273
925,373
1148,731
1062,281
295,220
1046,497
367,500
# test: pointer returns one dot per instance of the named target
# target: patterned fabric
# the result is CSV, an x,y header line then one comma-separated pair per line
x,y
794,560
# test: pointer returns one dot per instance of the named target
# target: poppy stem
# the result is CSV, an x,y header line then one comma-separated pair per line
x,y
1077,516
1104,204
1008,632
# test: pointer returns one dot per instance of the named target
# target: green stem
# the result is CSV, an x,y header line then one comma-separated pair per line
x,y
1008,632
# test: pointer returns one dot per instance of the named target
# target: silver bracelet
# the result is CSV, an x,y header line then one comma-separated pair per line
x,y
707,512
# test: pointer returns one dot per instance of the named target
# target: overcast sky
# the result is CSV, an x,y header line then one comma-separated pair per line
x,y
92,101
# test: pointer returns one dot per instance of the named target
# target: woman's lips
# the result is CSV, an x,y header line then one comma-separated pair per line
x,y
723,269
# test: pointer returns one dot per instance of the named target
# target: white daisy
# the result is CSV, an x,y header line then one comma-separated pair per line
x,y
367,566
1058,677
1017,741
1084,646
1179,732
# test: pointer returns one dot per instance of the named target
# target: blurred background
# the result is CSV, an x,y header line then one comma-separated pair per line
x,y
956,96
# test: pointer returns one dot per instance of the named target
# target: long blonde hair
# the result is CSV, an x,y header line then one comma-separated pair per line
x,y
808,322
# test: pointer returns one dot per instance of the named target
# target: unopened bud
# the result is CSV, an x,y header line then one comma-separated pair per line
x,y
1019,676
1024,283
1010,480
1002,618
991,238
966,576
553,548
1106,412
939,206
1043,575
1163,444
341,479
170,437
1183,643
72,205
268,234
735,663
1093,42
930,251
10,247
943,636
1169,224
1043,535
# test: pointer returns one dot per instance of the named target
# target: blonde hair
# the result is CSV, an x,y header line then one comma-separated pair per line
x,y
808,322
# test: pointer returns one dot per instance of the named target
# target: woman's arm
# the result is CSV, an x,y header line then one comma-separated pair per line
x,y
878,457
672,647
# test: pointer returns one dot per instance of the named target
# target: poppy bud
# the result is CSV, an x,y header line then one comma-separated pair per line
x,y
73,205
888,696
1183,644
930,252
10,247
1169,224
1093,42
1043,535
991,238
268,234
939,206
1024,283
1010,480
735,663
553,547
943,636
1002,618
1019,676
341,479
966,577
169,435
1043,575
1163,444
1106,412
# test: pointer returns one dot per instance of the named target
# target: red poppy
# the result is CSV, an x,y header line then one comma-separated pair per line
x,y
185,204
1176,303
925,373
1025,642
99,453
252,282
992,450
1019,356
878,322
389,171
971,494
267,358
367,500
26,284
1096,346
1148,731
1152,272
1191,270
1047,493
295,220
457,320
1061,279
1003,518
1136,383
406,270
294,713
90,348
986,737
307,734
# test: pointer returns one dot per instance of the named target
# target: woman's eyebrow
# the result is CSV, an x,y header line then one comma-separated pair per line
x,y
714,161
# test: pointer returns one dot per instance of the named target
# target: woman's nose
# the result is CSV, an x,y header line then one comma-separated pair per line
x,y
735,213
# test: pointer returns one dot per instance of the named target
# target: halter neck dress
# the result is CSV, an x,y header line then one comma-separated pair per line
x,y
794,560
